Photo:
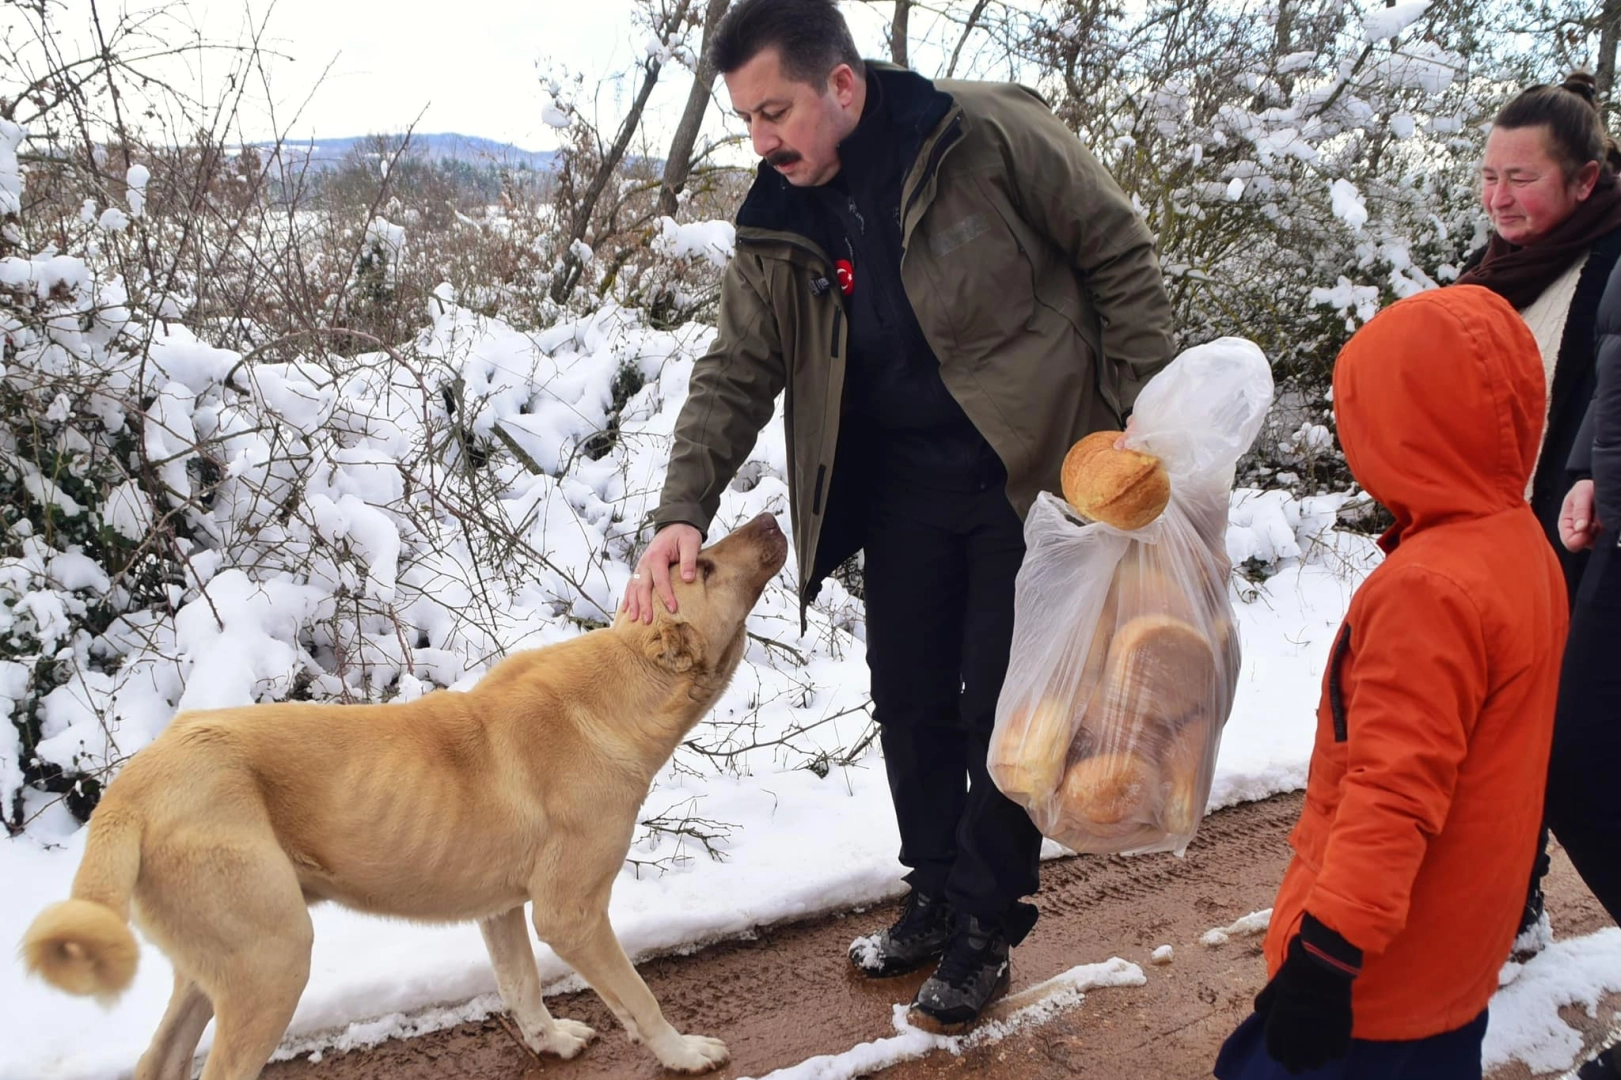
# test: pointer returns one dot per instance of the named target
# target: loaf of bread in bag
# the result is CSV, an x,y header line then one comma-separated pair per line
x,y
1182,766
1160,668
1027,755
1106,789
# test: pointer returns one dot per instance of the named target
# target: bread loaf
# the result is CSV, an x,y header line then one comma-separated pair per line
x,y
1106,789
1027,755
1182,766
1124,488
1160,668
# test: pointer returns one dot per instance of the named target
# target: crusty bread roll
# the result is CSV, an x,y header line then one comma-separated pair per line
x,y
1124,488
1106,790
1182,766
1160,668
1028,754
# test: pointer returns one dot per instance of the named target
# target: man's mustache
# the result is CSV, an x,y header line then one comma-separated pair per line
x,y
778,158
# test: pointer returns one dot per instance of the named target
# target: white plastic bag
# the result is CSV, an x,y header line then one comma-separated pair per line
x,y
1125,657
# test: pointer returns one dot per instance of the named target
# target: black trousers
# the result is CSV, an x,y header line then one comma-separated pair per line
x,y
1452,1055
939,576
1583,807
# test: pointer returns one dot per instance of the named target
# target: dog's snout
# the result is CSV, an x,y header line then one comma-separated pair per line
x,y
773,543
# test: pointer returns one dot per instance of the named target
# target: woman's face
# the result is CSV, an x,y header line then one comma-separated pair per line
x,y
1523,188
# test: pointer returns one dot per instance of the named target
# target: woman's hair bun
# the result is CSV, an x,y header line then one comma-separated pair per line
x,y
1583,85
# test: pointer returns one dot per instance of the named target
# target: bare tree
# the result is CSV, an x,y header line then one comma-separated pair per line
x,y
967,29
678,162
898,31
1609,38
666,26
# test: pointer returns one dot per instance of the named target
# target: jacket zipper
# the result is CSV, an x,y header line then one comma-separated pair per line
x,y
946,141
1336,689
833,346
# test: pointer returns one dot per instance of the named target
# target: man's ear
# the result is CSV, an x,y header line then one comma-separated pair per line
x,y
677,646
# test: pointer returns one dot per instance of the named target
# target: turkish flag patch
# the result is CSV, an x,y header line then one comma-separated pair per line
x,y
846,275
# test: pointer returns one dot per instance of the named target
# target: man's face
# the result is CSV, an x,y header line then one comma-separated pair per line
x,y
795,126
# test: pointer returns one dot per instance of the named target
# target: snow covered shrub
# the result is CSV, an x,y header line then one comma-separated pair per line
x,y
1302,163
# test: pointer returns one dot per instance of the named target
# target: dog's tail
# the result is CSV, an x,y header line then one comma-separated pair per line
x,y
84,945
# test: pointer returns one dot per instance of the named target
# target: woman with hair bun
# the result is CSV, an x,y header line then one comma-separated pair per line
x,y
1549,183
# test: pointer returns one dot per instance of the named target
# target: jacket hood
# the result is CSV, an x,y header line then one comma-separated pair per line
x,y
1440,404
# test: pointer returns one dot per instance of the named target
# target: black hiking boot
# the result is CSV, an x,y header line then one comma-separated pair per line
x,y
916,938
1535,931
972,973
1606,1066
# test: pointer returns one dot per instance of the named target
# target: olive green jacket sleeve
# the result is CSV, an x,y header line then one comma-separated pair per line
x,y
1067,194
732,396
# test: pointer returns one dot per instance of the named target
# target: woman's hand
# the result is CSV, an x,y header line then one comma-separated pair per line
x,y
1579,525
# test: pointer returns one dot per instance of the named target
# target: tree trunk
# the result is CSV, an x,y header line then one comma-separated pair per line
x,y
678,161
1609,36
967,28
569,274
1284,44
897,31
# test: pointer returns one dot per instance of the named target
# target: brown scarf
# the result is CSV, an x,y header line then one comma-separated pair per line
x,y
1519,274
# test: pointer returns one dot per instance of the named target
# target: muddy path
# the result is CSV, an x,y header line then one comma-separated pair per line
x,y
789,994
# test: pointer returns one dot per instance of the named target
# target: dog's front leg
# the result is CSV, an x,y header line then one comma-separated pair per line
x,y
507,938
591,948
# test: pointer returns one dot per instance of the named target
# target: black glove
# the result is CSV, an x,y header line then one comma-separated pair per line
x,y
1307,1004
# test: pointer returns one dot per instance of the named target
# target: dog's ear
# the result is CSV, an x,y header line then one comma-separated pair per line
x,y
677,646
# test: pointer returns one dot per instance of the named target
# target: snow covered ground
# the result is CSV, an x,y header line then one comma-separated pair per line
x,y
792,834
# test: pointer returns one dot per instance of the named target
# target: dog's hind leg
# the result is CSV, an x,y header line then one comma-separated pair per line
x,y
507,937
174,1046
590,946
259,990
246,941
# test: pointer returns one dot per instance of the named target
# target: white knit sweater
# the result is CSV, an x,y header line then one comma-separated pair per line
x,y
1546,317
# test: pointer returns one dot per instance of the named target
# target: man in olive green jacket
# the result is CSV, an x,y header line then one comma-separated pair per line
x,y
951,291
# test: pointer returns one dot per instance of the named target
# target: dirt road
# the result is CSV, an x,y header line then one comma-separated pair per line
x,y
789,994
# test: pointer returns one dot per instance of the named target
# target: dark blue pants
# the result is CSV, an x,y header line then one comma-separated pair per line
x,y
1584,803
939,582
1452,1055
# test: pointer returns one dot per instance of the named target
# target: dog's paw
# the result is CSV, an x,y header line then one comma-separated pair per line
x,y
693,1054
565,1039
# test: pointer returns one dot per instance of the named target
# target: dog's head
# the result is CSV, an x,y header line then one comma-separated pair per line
x,y
705,635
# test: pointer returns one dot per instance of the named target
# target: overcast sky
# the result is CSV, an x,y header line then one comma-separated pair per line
x,y
467,66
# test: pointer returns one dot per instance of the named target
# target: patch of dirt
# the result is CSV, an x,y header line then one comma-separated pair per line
x,y
791,994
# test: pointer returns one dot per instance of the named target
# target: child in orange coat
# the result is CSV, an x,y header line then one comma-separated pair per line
x,y
1424,797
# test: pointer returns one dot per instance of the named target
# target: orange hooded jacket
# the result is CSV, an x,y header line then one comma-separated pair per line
x,y
1424,797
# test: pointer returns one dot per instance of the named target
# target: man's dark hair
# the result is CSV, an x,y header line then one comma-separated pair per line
x,y
810,35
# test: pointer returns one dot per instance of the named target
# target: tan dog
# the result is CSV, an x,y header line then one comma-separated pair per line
x,y
453,807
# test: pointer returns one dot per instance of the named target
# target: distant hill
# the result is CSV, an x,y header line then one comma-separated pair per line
x,y
329,153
